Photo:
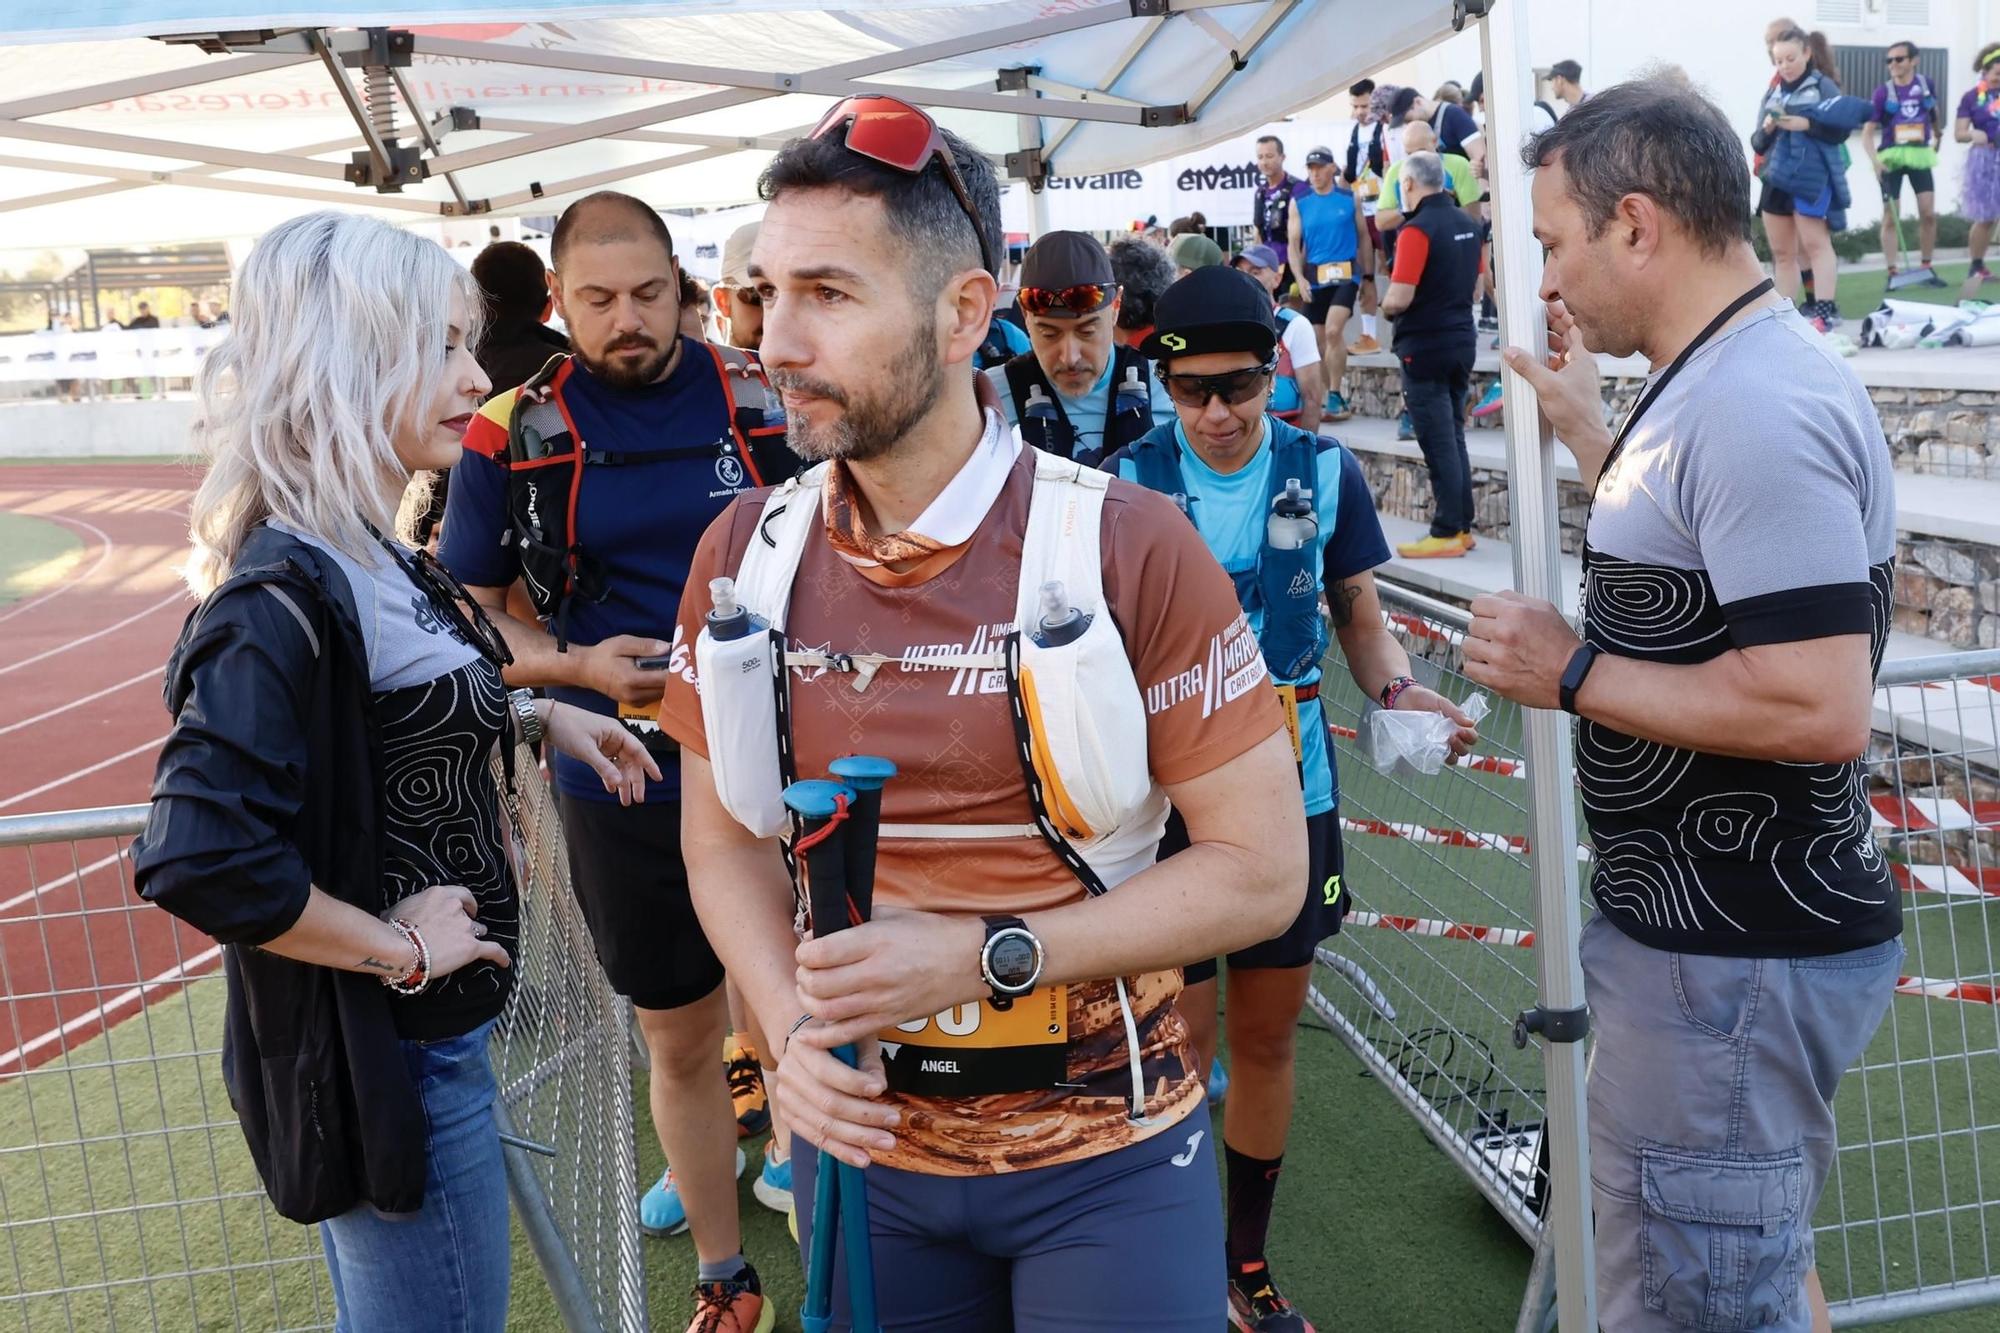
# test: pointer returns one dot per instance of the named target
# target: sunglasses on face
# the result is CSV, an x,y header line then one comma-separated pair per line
x,y
1085,299
1234,387
1897,60
896,134
749,296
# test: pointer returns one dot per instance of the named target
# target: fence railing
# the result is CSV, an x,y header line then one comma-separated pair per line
x,y
127,1196
1426,980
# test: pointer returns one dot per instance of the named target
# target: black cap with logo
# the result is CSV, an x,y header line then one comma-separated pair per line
x,y
1214,309
1320,157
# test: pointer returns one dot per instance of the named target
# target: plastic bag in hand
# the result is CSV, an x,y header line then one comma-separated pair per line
x,y
1416,741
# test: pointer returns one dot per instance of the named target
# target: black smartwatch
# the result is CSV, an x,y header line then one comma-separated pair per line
x,y
1579,666
1010,962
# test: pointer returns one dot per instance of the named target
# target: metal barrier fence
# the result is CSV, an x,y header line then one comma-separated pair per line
x,y
127,1196
1436,961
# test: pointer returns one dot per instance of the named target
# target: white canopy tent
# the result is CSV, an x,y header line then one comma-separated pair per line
x,y
128,121
154,120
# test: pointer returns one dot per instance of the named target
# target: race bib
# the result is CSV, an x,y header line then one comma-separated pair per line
x,y
1907,133
1331,273
1288,703
975,1050
1368,187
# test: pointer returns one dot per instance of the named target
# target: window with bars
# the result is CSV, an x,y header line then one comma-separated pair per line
x,y
1837,11
1862,70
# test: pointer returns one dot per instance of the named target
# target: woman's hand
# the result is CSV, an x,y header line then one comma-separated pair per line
x,y
618,757
446,915
1422,699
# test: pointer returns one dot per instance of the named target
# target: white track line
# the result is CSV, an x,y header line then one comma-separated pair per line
x,y
103,554
72,877
96,634
83,772
177,973
154,674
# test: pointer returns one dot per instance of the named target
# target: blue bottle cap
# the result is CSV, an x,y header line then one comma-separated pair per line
x,y
863,772
817,798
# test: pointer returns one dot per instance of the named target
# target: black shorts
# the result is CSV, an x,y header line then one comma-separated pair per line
x,y
1324,299
625,861
1775,201
1893,178
1326,902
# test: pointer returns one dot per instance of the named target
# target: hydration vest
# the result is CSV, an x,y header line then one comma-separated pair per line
x,y
1286,404
1285,584
1005,340
1079,716
1046,426
544,459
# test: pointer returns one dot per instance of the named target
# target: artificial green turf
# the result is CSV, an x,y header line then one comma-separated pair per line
x,y
27,546
1860,292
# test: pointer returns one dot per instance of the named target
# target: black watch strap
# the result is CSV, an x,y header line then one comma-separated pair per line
x,y
1580,663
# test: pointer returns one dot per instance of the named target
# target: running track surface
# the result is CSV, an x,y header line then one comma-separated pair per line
x,y
81,723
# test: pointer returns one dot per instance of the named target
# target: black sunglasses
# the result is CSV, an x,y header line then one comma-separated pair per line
x,y
749,296
449,597
1898,60
1234,387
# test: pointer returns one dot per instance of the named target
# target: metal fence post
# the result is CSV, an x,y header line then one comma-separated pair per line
x,y
1546,734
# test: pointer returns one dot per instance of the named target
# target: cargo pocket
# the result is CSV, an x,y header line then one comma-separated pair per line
x,y
1720,1236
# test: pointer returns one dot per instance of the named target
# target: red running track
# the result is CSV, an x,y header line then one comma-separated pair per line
x,y
81,722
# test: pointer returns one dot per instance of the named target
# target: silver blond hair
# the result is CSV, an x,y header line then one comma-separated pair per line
x,y
336,342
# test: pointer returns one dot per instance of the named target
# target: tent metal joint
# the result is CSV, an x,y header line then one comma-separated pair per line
x,y
1464,11
1028,165
386,48
405,166
1016,79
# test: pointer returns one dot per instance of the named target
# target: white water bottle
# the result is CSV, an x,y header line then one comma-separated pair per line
x,y
1292,523
739,712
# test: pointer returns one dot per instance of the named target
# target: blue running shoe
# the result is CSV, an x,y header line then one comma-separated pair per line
x,y
1218,1082
773,1186
661,1212
1406,429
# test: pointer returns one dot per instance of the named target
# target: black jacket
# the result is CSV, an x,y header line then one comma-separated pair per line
x,y
269,784
1437,329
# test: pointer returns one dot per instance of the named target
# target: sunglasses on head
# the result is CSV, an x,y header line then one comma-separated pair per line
x,y
1083,299
1234,387
891,131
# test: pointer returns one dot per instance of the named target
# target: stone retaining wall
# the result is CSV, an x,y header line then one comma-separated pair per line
x,y
1945,432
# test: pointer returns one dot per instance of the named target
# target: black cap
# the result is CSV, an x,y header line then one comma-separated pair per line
x,y
1320,157
1066,259
1214,309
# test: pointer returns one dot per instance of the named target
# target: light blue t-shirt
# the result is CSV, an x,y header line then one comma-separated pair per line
x,y
1230,512
1086,414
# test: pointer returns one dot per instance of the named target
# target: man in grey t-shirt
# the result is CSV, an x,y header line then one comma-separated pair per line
x,y
1736,602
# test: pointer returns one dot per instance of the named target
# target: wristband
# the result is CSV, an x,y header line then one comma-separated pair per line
x,y
791,1032
1394,690
1580,663
418,978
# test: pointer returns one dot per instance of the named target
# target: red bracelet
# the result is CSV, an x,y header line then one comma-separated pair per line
x,y
419,976
1394,690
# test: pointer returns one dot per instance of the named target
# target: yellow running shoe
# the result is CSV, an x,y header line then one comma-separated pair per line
x,y
1365,344
746,1087
1435,548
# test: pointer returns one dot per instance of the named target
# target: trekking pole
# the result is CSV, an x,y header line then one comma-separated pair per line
x,y
823,808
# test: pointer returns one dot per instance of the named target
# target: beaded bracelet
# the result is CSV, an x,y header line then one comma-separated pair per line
x,y
1394,690
418,978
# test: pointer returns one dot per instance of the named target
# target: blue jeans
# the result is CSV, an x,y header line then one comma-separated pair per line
x,y
1436,400
1711,1124
443,1268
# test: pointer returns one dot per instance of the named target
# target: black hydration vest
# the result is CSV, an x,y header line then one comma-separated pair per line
x,y
1046,426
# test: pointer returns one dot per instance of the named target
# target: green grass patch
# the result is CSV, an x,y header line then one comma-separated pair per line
x,y
1860,293
35,554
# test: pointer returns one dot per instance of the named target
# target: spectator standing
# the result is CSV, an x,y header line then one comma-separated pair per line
x,y
145,319
1978,124
1142,271
1272,196
1801,128
1456,130
1745,944
1906,126
739,310
1430,298
1459,178
1566,82
514,284
1298,385
1192,250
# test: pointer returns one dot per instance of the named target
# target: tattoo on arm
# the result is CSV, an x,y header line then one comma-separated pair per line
x,y
1340,603
374,964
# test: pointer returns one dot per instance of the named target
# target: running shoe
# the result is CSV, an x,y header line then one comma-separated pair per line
x,y
1899,279
1489,403
746,1087
733,1305
1825,316
1406,429
1337,408
1365,344
1931,278
773,1186
1218,1081
1257,1306
661,1212
1435,548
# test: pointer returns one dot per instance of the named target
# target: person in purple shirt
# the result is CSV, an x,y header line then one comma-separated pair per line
x,y
1903,146
1978,124
1271,199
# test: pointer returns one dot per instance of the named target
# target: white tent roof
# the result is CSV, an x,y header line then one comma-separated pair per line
x,y
110,135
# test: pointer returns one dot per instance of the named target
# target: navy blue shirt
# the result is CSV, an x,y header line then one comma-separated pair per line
x,y
641,519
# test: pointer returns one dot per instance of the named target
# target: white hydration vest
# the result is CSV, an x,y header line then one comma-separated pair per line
x,y
1079,716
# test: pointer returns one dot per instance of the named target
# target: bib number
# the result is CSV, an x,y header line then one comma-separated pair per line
x,y
1332,273
1288,703
1907,133
975,1050
1368,187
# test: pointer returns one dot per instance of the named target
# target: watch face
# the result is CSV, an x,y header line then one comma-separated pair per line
x,y
1011,958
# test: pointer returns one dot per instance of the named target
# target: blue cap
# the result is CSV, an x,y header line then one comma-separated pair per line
x,y
1263,256
816,798
863,772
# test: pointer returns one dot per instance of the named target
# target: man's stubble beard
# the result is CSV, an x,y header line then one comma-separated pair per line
x,y
868,427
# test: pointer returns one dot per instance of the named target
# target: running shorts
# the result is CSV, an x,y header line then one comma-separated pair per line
x,y
1324,299
625,863
1920,178
1325,906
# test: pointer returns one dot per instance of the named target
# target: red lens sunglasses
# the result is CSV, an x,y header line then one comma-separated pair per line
x,y
891,131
